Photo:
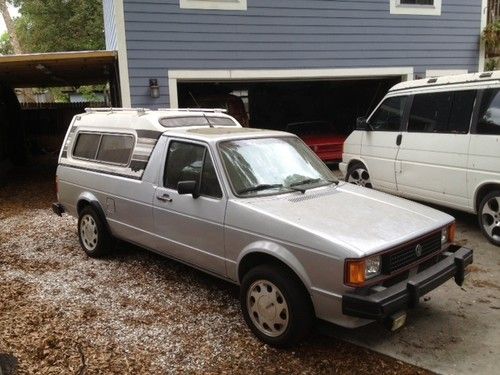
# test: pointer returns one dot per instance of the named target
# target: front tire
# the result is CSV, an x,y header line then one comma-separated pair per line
x,y
489,217
276,305
93,235
357,174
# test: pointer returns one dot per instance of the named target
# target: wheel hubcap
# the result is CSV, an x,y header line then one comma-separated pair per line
x,y
267,308
88,232
360,177
490,217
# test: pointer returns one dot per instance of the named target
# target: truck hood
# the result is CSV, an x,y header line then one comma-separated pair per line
x,y
361,221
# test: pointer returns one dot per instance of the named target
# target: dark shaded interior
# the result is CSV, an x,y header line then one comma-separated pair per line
x,y
274,105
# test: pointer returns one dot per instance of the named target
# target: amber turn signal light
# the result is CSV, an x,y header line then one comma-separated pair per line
x,y
452,229
355,272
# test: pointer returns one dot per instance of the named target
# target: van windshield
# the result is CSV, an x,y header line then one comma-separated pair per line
x,y
272,166
176,122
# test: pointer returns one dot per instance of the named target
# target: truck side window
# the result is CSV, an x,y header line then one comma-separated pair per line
x,y
191,162
442,112
389,116
489,114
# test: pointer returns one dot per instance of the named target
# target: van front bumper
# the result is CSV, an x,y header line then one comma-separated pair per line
x,y
406,294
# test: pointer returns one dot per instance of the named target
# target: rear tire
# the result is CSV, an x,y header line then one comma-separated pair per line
x,y
275,305
488,216
357,174
93,235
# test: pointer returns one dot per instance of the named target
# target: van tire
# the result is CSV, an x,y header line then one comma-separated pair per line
x,y
289,295
357,174
488,216
93,234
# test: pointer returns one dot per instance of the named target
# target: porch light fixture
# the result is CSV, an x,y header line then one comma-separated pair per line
x,y
154,89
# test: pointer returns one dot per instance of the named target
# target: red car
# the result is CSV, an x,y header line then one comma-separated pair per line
x,y
320,137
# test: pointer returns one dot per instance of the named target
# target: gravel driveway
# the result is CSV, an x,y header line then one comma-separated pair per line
x,y
135,312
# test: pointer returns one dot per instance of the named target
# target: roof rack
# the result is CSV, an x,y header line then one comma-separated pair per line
x,y
214,110
113,109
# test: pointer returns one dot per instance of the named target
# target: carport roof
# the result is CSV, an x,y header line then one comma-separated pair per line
x,y
58,69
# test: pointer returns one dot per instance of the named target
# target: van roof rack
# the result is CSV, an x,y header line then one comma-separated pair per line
x,y
114,109
213,110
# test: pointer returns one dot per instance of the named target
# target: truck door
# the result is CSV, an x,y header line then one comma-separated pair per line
x,y
190,228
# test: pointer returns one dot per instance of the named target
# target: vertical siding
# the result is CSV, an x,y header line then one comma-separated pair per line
x,y
294,34
110,25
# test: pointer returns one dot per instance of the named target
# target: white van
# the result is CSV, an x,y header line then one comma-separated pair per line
x,y
435,140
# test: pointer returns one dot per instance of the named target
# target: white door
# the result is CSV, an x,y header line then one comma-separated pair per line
x,y
484,160
380,145
432,161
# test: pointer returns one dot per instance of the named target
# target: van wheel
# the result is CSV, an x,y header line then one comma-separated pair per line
x,y
357,174
489,217
275,305
93,235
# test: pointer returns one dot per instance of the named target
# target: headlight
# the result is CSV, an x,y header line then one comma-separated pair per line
x,y
372,267
358,271
448,234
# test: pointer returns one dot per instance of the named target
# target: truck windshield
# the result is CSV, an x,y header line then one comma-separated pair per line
x,y
272,166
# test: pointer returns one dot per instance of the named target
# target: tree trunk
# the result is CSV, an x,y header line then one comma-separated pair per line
x,y
11,29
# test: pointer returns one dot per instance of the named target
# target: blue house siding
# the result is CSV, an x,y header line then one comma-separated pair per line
x,y
294,34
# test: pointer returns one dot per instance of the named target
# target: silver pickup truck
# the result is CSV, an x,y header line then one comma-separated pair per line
x,y
259,209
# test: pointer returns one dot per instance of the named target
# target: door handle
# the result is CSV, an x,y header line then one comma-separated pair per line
x,y
164,198
399,139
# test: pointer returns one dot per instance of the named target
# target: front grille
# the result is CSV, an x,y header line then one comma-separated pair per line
x,y
407,255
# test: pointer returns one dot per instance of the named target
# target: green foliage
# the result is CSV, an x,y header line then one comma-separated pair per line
x,y
5,45
60,25
491,36
490,64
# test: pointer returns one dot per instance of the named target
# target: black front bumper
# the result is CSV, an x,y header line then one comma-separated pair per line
x,y
407,293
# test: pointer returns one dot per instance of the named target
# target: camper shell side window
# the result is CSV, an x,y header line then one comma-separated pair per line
x,y
107,148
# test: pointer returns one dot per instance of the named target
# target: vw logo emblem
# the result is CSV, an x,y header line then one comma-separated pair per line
x,y
418,250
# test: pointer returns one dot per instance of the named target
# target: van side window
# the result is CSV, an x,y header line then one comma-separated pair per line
x,y
115,149
489,114
191,162
442,112
389,116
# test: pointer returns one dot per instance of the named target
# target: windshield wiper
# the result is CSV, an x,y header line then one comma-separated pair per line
x,y
259,188
307,181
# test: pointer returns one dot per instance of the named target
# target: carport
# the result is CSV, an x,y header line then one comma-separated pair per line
x,y
24,125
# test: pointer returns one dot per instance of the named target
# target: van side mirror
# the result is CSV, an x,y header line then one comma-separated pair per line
x,y
362,124
187,187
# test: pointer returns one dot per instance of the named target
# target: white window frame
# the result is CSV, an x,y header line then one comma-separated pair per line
x,y
416,9
214,4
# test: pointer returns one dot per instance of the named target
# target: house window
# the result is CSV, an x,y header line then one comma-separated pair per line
x,y
214,4
416,7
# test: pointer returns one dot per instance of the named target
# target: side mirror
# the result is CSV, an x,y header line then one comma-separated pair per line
x,y
362,124
187,187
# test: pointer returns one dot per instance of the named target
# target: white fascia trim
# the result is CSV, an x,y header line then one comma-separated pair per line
x,y
482,46
214,4
279,75
444,72
121,42
418,10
